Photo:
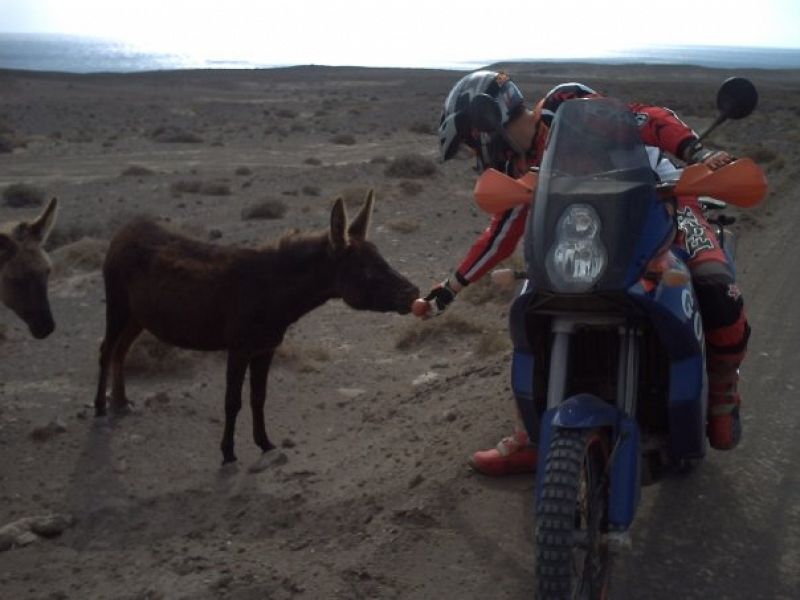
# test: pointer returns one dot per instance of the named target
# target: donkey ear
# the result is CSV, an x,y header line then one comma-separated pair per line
x,y
40,228
8,247
358,228
338,236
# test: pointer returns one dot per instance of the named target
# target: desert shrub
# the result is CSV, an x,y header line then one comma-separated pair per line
x,y
436,331
298,128
64,233
267,209
403,225
343,139
19,195
244,171
170,134
85,254
285,113
305,359
310,190
150,355
422,127
314,162
410,187
185,187
137,171
483,290
194,186
215,188
6,144
410,165
379,160
493,342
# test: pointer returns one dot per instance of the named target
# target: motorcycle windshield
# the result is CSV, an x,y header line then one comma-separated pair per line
x,y
596,219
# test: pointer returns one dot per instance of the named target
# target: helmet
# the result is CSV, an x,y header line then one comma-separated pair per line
x,y
456,124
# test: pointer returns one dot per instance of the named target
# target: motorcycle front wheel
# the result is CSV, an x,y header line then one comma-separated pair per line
x,y
573,560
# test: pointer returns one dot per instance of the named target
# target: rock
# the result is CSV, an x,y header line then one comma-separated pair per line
x,y
45,432
30,529
426,377
267,460
51,525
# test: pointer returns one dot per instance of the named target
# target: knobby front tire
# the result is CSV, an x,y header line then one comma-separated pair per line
x,y
573,561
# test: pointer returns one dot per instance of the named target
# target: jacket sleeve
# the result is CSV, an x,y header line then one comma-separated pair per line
x,y
661,127
496,243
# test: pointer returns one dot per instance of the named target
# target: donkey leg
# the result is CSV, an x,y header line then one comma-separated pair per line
x,y
259,369
237,367
117,315
119,401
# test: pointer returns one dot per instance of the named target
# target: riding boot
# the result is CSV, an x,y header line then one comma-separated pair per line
x,y
513,454
724,425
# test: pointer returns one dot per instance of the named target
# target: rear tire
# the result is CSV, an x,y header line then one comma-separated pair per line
x,y
573,560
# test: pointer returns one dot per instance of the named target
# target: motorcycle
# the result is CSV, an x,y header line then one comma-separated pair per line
x,y
608,367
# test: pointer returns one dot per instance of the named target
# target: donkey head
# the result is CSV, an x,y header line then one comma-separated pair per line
x,y
24,268
365,280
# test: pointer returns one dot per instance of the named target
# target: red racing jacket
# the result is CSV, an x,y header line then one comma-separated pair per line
x,y
659,127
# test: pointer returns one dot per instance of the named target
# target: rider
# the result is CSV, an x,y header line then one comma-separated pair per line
x,y
521,146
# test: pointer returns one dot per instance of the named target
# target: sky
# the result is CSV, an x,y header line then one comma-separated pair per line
x,y
405,32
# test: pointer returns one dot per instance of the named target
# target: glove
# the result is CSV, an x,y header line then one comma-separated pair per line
x,y
713,159
441,295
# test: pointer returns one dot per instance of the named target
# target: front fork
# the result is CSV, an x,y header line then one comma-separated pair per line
x,y
588,411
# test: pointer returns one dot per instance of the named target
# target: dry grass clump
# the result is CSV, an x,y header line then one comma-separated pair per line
x,y
67,232
314,162
244,171
9,139
150,355
20,195
138,171
195,186
304,359
422,127
267,209
343,139
435,331
171,134
86,254
483,290
403,225
411,165
493,342
410,187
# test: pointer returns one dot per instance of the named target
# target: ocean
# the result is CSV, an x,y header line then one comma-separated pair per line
x,y
73,54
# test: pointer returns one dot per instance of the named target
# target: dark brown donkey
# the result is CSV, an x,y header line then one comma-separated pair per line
x,y
207,297
24,269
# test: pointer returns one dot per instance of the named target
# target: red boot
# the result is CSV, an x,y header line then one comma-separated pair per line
x,y
724,425
513,454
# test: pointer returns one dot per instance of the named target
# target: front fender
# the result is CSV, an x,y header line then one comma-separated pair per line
x,y
585,411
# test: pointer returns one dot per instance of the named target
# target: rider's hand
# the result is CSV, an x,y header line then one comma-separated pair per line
x,y
442,294
713,159
717,159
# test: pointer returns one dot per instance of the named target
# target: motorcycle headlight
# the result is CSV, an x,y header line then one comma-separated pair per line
x,y
578,257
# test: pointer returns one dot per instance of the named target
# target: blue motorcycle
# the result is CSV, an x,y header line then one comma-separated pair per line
x,y
609,358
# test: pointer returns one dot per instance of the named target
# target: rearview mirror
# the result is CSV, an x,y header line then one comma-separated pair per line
x,y
737,97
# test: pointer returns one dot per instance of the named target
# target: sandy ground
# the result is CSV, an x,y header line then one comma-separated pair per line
x,y
369,495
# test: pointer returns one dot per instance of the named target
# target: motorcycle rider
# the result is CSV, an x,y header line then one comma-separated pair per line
x,y
520,147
